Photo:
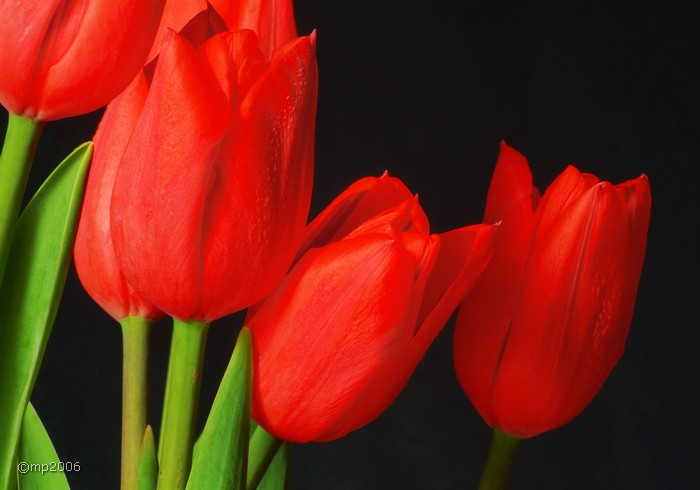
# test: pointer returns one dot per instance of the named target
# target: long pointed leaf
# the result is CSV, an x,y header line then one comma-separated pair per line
x,y
147,478
221,458
39,467
31,290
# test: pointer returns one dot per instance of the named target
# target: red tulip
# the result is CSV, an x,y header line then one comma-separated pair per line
x,y
64,58
337,340
212,192
95,260
544,326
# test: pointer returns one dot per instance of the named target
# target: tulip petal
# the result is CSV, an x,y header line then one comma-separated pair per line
x,y
263,188
458,261
176,14
511,187
22,32
159,193
342,308
361,201
272,21
565,190
128,24
485,316
236,61
68,63
464,254
568,333
95,260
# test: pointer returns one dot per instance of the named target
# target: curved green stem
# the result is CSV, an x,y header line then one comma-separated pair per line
x,y
180,403
15,161
497,467
136,336
261,450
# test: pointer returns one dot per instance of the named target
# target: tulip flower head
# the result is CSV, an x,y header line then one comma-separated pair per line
x,y
64,58
337,340
547,321
95,261
212,193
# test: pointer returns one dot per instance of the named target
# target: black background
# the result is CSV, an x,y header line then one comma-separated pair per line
x,y
427,92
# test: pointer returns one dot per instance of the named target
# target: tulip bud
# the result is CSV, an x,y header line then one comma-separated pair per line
x,y
95,260
338,339
547,321
213,190
65,58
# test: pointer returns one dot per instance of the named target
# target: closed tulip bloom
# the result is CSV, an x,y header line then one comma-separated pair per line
x,y
64,58
212,193
544,326
95,261
338,339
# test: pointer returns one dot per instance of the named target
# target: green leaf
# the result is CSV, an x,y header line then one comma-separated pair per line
x,y
40,254
275,477
38,465
221,457
148,467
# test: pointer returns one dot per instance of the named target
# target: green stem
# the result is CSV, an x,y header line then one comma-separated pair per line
x,y
277,475
180,403
261,450
16,159
136,336
500,458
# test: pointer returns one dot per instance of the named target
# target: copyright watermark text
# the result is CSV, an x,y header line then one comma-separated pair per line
x,y
23,467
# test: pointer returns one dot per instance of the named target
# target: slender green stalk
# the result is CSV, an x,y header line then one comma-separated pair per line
x,y
500,458
277,475
136,337
262,449
15,161
180,403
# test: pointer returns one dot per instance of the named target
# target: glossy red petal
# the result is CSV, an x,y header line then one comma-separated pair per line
x,y
394,220
457,259
236,61
361,201
22,34
485,316
320,337
272,21
567,334
259,203
69,58
95,261
565,190
464,255
176,14
115,37
161,188
511,187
